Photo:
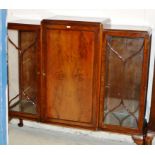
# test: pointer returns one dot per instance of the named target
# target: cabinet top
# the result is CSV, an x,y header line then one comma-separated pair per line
x,y
128,28
80,19
63,18
26,21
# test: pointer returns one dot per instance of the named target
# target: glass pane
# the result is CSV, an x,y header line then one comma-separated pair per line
x,y
22,71
13,70
124,58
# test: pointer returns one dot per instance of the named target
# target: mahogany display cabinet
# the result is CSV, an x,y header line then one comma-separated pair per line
x,y
82,74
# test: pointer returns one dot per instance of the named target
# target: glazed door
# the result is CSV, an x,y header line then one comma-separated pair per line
x,y
71,74
124,81
24,69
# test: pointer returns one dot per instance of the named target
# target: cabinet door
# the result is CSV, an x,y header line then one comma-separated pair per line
x,y
71,68
23,69
125,81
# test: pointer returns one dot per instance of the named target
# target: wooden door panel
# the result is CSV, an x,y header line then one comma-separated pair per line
x,y
72,76
69,75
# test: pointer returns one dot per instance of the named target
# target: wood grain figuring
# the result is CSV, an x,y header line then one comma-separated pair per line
x,y
70,75
71,66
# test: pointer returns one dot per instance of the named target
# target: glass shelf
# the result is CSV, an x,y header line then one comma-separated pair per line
x,y
24,107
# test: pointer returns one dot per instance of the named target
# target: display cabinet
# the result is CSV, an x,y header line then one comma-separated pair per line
x,y
80,73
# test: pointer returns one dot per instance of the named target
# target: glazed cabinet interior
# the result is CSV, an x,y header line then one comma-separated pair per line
x,y
23,62
78,74
126,57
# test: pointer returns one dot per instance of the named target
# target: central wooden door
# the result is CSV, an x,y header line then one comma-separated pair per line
x,y
71,73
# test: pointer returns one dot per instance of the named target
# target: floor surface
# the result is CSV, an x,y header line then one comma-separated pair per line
x,y
34,136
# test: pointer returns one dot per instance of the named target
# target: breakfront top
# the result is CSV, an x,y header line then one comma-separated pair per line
x,y
64,18
104,21
128,28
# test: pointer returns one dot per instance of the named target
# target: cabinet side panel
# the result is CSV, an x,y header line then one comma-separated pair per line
x,y
152,113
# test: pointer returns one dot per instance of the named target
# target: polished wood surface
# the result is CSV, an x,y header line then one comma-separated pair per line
x,y
69,75
152,112
71,63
